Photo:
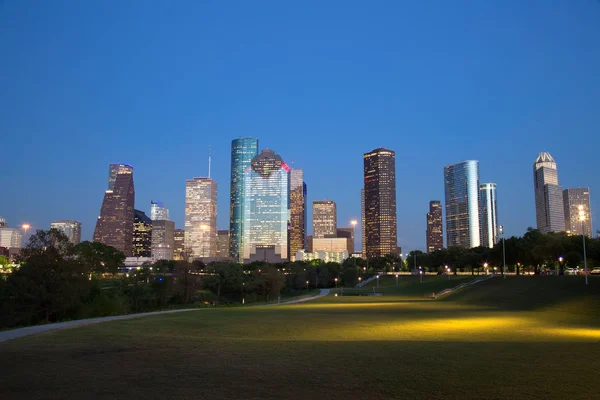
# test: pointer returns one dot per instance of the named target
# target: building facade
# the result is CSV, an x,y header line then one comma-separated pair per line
x,y
163,239
114,226
158,211
71,229
243,150
549,207
348,234
380,203
325,256
331,244
11,238
488,214
266,207
435,238
462,204
324,218
576,200
142,235
363,233
222,243
201,217
179,245
114,170
297,233
3,223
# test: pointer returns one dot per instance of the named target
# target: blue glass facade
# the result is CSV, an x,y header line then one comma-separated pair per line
x,y
243,150
462,204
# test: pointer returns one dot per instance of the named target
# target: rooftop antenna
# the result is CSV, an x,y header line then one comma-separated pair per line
x,y
209,157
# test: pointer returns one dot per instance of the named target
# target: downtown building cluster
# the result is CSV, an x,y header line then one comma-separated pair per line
x,y
472,211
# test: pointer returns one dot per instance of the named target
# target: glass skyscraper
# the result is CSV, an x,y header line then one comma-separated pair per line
x,y
158,211
72,229
435,239
266,209
297,234
462,204
142,235
380,221
114,226
324,218
549,207
488,213
243,150
201,217
573,199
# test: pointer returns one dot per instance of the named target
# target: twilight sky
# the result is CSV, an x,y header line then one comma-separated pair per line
x,y
153,84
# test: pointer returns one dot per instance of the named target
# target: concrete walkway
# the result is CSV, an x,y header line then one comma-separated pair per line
x,y
32,330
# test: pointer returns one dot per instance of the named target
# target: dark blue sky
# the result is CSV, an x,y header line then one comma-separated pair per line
x,y
153,84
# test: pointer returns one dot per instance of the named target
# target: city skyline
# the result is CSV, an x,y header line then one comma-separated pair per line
x,y
430,109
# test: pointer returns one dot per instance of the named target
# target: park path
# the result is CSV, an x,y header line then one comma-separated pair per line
x,y
32,330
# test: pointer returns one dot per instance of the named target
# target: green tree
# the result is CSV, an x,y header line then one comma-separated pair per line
x,y
100,258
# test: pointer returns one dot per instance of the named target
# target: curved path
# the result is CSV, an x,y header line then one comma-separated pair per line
x,y
32,330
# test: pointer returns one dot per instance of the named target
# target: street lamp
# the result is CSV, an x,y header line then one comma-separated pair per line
x,y
447,268
306,285
396,279
560,260
501,232
25,227
353,224
485,265
449,272
377,280
582,219
421,274
335,282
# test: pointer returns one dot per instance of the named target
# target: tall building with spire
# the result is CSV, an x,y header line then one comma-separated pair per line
x,y
114,226
266,209
435,240
549,207
243,150
380,203
201,217
574,201
324,219
488,214
461,182
297,232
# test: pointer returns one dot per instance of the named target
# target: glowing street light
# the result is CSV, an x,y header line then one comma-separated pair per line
x,y
501,232
25,227
377,280
336,280
396,279
582,219
306,285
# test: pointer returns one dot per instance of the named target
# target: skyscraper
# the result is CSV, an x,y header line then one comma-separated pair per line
x,y
363,233
179,245
266,209
115,223
222,243
324,216
201,217
3,223
488,214
380,203
11,238
243,150
142,235
435,239
163,239
573,199
462,204
549,208
71,229
297,233
158,211
113,170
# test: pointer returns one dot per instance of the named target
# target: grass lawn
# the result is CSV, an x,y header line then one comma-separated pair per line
x,y
519,338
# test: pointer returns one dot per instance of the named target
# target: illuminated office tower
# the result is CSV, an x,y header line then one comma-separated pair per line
x,y
488,214
573,200
297,232
324,219
435,239
380,203
114,170
114,226
549,207
10,238
71,229
266,209
222,243
179,245
163,239
142,235
158,211
462,204
201,217
243,150
3,223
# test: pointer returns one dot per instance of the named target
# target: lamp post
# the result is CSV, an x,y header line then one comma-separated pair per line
x,y
25,227
582,219
485,265
336,282
501,232
449,272
377,280
396,279
560,260
421,274
353,224
306,285
447,268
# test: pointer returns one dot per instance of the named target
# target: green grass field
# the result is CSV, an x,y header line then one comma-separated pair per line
x,y
523,337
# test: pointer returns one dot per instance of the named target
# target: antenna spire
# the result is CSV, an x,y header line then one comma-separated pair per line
x,y
209,159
